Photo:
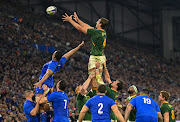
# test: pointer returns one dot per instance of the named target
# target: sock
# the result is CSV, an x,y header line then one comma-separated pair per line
x,y
43,117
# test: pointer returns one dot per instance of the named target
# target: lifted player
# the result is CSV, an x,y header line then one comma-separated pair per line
x,y
98,39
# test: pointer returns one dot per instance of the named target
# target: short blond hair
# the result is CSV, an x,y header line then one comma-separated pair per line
x,y
27,92
166,95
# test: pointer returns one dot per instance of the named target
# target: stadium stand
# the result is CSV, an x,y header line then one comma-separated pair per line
x,y
18,56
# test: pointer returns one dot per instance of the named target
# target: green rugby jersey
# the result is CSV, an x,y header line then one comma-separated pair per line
x,y
113,94
166,107
82,99
98,41
132,115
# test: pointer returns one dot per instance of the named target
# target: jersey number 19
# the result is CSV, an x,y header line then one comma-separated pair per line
x,y
147,100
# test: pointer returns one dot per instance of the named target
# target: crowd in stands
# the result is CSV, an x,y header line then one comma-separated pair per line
x,y
21,63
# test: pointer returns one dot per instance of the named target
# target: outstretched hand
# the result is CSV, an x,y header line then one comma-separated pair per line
x,y
75,17
67,18
82,43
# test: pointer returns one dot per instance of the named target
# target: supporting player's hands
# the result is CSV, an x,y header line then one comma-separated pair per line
x,y
67,18
91,76
38,100
98,65
37,85
75,17
104,65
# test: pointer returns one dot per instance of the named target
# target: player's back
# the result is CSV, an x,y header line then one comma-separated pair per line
x,y
145,106
46,66
55,67
100,107
60,105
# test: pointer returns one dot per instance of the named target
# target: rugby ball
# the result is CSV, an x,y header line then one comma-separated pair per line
x,y
51,10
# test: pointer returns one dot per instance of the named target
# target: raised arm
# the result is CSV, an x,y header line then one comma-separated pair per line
x,y
82,113
106,74
76,25
81,22
71,52
86,84
127,112
117,113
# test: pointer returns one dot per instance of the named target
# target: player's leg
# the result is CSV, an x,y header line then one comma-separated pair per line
x,y
43,115
101,60
92,68
43,107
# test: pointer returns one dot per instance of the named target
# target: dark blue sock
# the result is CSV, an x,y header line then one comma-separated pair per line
x,y
43,117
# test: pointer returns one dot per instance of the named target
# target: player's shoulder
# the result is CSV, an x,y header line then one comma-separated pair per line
x,y
166,105
52,63
28,103
62,94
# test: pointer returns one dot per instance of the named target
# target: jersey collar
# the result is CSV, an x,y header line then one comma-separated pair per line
x,y
114,90
164,102
101,29
132,96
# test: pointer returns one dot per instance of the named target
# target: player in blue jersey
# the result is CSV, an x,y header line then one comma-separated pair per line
x,y
30,108
100,107
46,77
60,102
147,109
52,67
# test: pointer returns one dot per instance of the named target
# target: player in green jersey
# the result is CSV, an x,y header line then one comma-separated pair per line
x,y
166,109
98,39
132,91
83,96
112,88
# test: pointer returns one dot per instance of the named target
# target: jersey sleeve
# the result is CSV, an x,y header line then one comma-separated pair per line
x,y
88,104
52,66
62,61
164,109
112,102
51,97
79,97
157,108
28,108
133,102
91,31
